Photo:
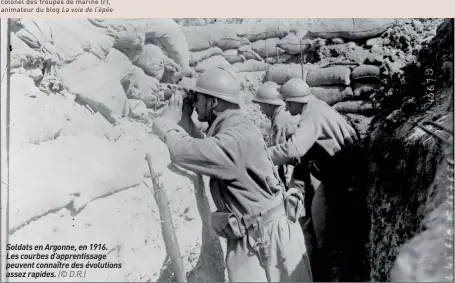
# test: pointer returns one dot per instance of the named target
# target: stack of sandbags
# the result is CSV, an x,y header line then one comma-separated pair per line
x,y
128,37
136,83
37,41
264,46
278,41
94,61
238,43
233,56
156,64
156,45
365,80
75,56
167,34
198,56
208,43
364,83
63,39
330,84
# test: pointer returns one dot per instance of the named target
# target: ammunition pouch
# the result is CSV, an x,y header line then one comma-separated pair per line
x,y
255,227
230,226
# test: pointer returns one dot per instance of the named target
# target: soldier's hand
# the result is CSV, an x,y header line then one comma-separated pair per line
x,y
173,109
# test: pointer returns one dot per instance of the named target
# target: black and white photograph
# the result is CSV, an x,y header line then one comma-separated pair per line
x,y
227,150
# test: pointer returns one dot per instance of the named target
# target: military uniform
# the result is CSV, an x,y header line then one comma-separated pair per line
x,y
264,242
283,123
326,144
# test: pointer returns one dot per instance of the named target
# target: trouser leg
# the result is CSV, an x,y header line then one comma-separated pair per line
x,y
289,261
301,180
242,263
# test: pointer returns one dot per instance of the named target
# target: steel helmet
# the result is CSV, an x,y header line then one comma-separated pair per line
x,y
297,90
218,83
268,93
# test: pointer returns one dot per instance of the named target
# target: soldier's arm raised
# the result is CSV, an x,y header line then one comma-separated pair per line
x,y
213,156
307,133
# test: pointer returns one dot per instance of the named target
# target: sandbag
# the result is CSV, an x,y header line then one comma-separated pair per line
x,y
172,75
349,28
332,94
374,59
37,117
260,31
168,34
267,48
365,72
152,60
229,40
361,89
281,73
128,37
212,62
233,56
198,56
22,54
337,40
35,33
280,59
358,106
291,44
73,36
95,84
249,66
142,87
200,38
221,35
248,52
120,64
76,169
329,76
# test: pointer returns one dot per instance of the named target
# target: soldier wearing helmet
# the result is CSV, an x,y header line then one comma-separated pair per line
x,y
327,146
256,216
283,123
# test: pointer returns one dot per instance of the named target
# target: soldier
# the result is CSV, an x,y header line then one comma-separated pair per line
x,y
283,123
255,214
328,144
